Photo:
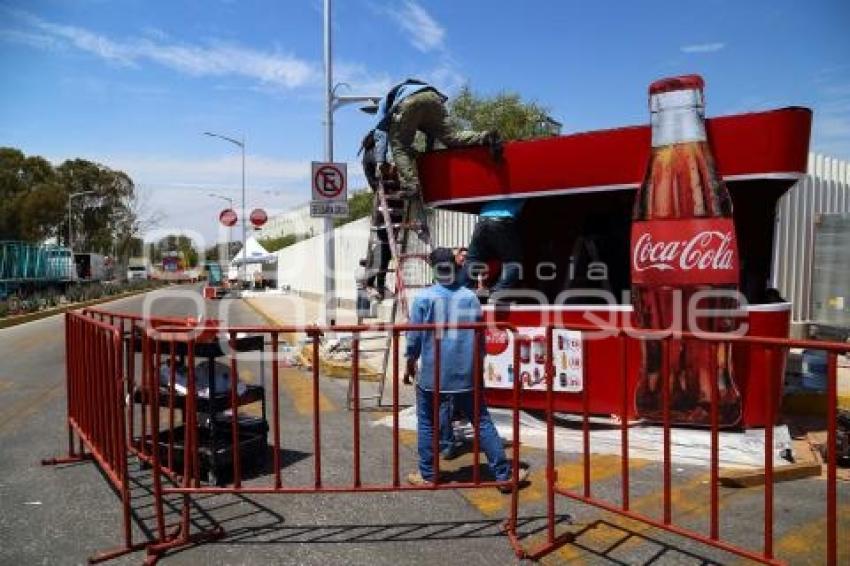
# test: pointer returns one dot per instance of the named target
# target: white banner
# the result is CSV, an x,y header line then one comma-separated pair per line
x,y
499,371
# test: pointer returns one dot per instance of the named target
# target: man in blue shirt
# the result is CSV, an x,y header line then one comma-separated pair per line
x,y
448,302
496,237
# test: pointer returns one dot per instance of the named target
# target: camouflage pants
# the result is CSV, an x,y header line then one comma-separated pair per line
x,y
424,112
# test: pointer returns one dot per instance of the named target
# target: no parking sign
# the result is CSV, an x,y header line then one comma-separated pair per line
x,y
330,190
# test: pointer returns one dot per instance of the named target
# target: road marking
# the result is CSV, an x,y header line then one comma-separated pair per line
x,y
299,386
806,544
570,475
616,527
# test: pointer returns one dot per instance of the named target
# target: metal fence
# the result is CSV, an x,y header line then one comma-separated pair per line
x,y
103,381
824,189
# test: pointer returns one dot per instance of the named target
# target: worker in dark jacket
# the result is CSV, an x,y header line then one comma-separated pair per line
x,y
496,238
410,107
414,106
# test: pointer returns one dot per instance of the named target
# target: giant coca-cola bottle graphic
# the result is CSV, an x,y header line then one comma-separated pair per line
x,y
683,243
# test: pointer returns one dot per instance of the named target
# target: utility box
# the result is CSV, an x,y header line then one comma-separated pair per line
x,y
831,278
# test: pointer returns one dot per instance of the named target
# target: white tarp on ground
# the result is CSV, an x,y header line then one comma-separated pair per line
x,y
688,446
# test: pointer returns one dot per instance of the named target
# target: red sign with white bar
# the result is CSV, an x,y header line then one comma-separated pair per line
x,y
258,217
227,217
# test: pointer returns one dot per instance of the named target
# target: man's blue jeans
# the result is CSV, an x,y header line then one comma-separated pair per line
x,y
464,403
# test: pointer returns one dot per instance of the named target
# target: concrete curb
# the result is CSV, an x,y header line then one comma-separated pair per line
x,y
11,321
272,321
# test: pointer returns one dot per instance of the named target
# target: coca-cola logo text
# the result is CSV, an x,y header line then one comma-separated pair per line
x,y
706,250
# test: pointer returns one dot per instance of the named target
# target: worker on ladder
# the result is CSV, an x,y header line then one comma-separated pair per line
x,y
379,253
415,106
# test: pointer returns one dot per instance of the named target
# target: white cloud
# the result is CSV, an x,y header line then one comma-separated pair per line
x,y
32,39
702,47
262,172
423,31
361,79
215,59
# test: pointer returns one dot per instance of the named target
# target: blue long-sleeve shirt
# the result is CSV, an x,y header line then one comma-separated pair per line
x,y
385,115
439,304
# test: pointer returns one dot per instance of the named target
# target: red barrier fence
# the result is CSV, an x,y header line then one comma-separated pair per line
x,y
771,347
113,357
95,393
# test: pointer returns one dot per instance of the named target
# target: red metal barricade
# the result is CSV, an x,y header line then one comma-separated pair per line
x,y
170,339
103,373
629,338
160,343
95,396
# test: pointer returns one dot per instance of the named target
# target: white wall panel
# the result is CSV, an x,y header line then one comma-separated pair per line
x,y
824,189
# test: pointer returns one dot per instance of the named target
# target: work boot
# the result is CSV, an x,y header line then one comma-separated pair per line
x,y
493,140
415,478
521,481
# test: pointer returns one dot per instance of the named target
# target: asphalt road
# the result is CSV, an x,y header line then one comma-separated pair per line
x,y
62,515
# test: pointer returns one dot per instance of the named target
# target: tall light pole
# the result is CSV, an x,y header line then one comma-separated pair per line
x,y
241,145
332,102
70,232
229,229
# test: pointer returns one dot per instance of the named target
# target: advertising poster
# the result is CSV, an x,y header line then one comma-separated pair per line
x,y
499,370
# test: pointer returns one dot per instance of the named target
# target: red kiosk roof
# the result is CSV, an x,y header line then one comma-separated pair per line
x,y
760,145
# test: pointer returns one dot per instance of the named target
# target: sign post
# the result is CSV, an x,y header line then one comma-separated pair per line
x,y
330,190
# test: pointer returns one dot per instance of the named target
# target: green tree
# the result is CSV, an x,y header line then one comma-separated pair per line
x,y
101,218
34,197
506,112
32,206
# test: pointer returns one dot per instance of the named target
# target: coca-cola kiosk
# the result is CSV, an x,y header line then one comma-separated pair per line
x,y
626,227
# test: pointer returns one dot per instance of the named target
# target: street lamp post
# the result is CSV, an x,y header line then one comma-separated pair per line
x,y
70,232
332,102
241,145
229,229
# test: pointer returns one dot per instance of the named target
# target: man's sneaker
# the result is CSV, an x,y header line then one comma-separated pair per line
x,y
415,478
523,478
449,453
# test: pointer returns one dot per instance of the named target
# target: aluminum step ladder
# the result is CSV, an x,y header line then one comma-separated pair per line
x,y
394,217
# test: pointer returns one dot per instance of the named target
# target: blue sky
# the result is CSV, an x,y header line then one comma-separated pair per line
x,y
133,84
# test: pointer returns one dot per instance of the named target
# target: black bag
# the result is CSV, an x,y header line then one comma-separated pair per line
x,y
369,161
